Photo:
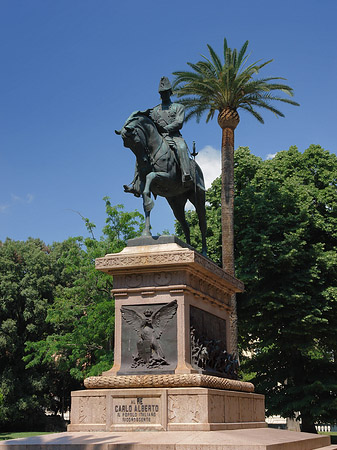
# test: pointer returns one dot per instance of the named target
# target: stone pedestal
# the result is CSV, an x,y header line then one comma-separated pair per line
x,y
172,368
149,277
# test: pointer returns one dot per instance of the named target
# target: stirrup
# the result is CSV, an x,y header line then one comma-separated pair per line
x,y
187,180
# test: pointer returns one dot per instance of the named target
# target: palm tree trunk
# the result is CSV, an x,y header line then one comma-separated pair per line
x,y
227,200
227,223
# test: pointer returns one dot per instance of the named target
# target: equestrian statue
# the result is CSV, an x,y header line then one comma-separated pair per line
x,y
163,165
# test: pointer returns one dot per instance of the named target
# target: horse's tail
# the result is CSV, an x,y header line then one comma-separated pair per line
x,y
197,175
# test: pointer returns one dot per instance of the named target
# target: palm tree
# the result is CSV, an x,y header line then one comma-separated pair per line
x,y
225,87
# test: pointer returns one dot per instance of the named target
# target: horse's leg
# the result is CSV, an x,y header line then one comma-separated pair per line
x,y
198,200
147,200
178,207
147,206
147,228
148,203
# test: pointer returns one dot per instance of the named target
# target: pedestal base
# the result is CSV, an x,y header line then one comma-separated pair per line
x,y
258,439
160,409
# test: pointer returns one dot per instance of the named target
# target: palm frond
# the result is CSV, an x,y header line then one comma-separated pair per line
x,y
285,100
225,46
265,105
252,111
213,86
242,53
194,67
228,57
208,68
263,64
215,58
234,58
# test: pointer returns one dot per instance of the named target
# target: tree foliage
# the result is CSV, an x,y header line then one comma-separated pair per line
x,y
213,85
27,282
56,317
286,254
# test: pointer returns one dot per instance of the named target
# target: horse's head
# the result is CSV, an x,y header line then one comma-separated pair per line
x,y
133,131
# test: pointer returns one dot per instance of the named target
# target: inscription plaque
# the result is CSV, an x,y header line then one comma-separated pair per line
x,y
137,410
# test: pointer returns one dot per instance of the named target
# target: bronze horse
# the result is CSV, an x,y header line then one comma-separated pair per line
x,y
159,173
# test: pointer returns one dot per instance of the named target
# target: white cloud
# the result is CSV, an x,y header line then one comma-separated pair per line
x,y
30,198
209,159
16,198
27,199
271,155
3,208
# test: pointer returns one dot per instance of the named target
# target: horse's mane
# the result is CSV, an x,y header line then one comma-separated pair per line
x,y
135,117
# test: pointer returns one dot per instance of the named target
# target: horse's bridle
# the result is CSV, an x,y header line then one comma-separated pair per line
x,y
151,157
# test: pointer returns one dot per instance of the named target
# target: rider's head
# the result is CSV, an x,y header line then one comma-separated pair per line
x,y
165,87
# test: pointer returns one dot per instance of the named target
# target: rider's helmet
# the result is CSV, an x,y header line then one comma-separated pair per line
x,y
164,85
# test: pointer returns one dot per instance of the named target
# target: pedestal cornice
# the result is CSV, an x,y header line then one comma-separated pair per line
x,y
167,257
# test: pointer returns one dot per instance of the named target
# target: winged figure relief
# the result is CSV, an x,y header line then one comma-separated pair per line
x,y
149,327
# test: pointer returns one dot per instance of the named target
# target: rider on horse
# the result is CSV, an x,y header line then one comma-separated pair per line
x,y
168,118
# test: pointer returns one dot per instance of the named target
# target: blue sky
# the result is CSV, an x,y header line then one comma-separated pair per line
x,y
73,70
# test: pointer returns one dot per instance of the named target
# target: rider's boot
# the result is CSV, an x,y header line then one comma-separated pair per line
x,y
185,167
131,190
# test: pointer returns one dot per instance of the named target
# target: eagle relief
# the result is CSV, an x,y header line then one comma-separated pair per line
x,y
152,334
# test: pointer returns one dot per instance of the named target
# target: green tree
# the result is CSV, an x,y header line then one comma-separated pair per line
x,y
56,317
286,254
27,284
224,87
82,313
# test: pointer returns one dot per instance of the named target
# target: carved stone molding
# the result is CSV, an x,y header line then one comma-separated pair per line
x,y
119,263
159,278
190,410
162,278
92,408
133,280
162,381
117,260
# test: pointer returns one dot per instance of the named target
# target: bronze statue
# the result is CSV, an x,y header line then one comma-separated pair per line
x,y
168,118
149,327
163,166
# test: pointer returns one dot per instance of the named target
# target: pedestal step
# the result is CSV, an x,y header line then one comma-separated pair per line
x,y
257,439
329,447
